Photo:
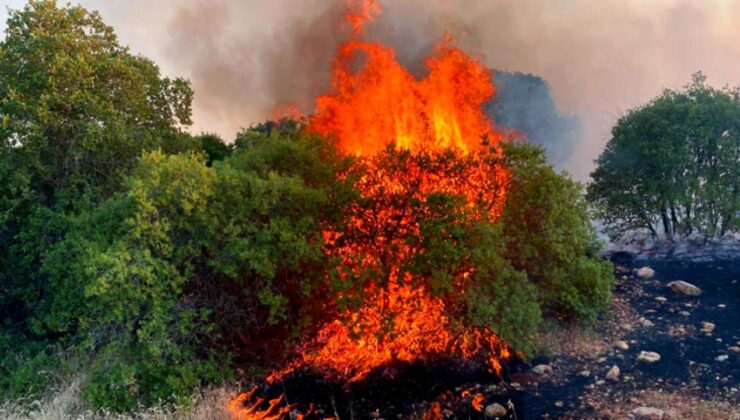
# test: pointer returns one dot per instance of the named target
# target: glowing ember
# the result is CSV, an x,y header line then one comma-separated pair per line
x,y
477,402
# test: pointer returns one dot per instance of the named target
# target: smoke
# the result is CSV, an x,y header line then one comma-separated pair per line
x,y
523,103
599,57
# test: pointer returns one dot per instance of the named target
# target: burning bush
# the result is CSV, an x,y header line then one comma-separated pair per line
x,y
393,226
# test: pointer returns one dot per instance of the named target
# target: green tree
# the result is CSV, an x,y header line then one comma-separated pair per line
x,y
213,146
672,166
191,263
76,111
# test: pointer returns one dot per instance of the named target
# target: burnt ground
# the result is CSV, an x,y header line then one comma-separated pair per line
x,y
695,366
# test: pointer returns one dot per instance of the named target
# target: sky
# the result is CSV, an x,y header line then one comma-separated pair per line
x,y
601,58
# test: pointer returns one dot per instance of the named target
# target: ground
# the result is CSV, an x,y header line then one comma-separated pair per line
x,y
698,374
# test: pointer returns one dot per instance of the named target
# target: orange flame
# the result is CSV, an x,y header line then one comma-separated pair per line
x,y
369,108
477,402
375,102
382,103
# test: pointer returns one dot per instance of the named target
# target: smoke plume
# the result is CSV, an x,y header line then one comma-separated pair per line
x,y
599,57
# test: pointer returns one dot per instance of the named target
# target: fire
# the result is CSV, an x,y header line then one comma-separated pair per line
x,y
382,103
375,103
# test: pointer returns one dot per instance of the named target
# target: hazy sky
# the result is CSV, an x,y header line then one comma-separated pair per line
x,y
601,57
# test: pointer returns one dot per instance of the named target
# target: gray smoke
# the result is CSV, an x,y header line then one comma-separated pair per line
x,y
523,104
599,57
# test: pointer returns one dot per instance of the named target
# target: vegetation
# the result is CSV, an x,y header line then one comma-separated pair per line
x,y
672,166
156,261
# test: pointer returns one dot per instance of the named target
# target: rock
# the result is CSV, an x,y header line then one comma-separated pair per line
x,y
661,299
586,373
685,313
684,288
559,404
495,410
648,413
621,345
707,327
734,349
722,358
648,357
646,322
613,374
722,306
600,382
542,369
645,272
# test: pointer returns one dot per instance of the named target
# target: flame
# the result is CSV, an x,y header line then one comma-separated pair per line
x,y
477,402
375,103
382,103
369,108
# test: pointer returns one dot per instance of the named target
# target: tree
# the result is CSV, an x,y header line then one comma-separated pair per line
x,y
213,146
672,167
192,263
76,111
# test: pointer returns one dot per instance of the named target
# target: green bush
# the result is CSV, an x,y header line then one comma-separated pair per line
x,y
548,234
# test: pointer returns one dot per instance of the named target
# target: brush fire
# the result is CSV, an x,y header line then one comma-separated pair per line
x,y
374,104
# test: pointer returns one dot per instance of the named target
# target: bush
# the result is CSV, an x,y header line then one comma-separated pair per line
x,y
548,234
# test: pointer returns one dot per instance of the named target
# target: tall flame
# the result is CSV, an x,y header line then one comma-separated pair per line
x,y
382,103
375,102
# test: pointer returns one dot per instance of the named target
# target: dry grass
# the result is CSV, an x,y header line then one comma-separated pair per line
x,y
65,403
574,340
675,405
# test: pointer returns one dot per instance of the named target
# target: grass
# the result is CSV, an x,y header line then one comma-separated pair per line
x,y
64,402
677,406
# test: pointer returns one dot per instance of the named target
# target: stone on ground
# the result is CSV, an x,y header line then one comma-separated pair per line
x,y
645,272
495,410
684,288
542,369
613,374
648,357
648,413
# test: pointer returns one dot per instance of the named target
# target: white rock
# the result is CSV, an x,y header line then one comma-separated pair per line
x,y
495,410
542,369
707,326
613,374
645,272
722,358
648,357
648,413
685,313
684,288
722,306
646,322
587,373
559,404
661,299
621,345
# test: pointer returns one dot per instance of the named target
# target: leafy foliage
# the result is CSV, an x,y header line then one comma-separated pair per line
x,y
159,260
672,166
76,111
